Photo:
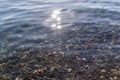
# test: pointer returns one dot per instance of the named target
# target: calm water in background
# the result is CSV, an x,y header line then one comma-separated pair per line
x,y
66,26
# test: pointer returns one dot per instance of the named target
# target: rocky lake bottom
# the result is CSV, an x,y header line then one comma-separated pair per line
x,y
59,40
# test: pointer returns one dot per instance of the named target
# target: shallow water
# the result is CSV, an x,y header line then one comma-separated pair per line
x,y
67,26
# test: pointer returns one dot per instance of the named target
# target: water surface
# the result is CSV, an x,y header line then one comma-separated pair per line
x,y
89,28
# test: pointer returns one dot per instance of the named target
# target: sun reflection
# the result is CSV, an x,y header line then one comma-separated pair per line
x,y
54,25
57,18
54,16
56,12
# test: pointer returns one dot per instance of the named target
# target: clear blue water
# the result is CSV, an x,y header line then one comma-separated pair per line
x,y
66,26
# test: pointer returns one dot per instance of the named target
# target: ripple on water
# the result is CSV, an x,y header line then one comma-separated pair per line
x,y
80,26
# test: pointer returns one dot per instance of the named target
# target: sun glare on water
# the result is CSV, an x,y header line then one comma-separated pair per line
x,y
56,16
59,19
55,20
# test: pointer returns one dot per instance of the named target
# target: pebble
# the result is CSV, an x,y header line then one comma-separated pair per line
x,y
18,78
1,65
52,68
102,77
111,78
117,72
103,70
38,71
84,59
5,76
115,78
69,69
113,70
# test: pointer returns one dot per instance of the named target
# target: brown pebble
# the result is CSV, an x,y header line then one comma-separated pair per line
x,y
103,70
18,78
1,65
38,71
102,77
